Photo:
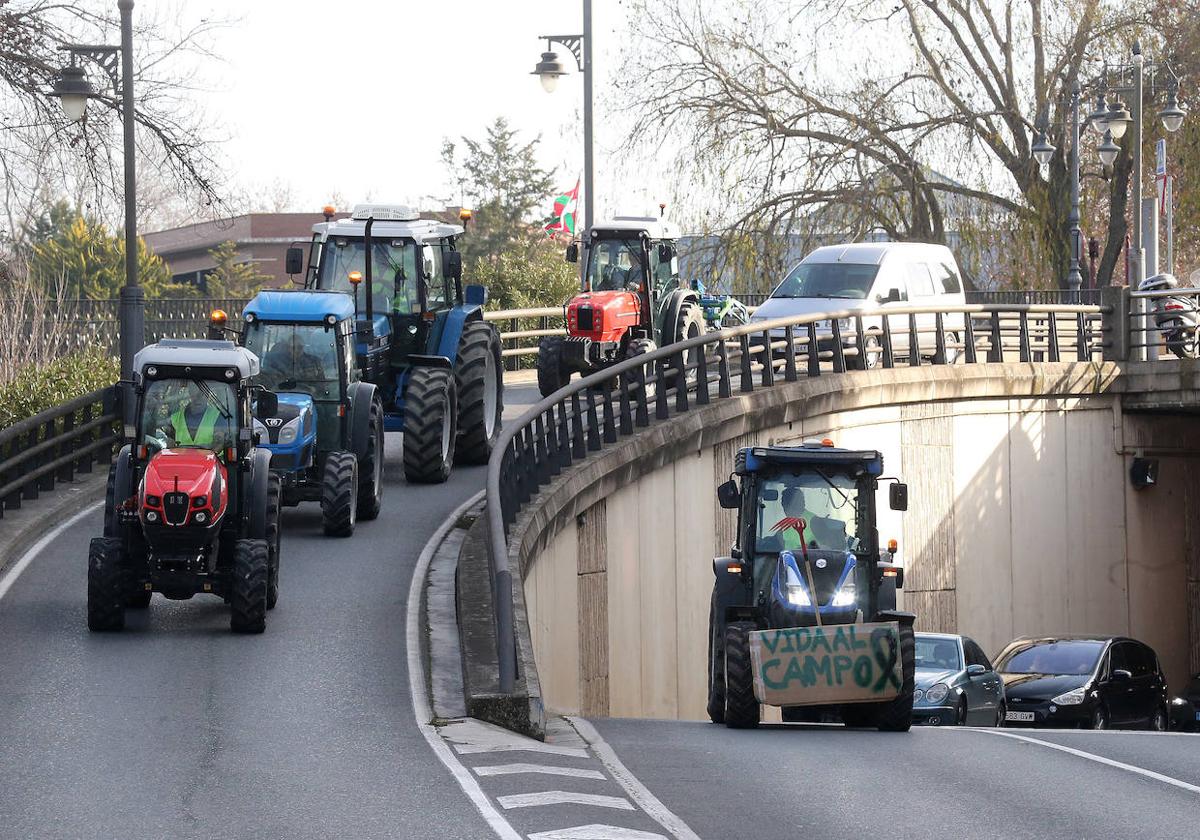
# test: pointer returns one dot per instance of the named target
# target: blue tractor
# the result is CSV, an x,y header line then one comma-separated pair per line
x,y
326,434
420,335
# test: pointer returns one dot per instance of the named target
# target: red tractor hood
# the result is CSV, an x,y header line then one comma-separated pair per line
x,y
603,316
174,474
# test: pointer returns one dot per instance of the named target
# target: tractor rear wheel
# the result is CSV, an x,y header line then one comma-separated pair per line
x,y
896,715
370,468
550,373
106,585
274,497
716,675
640,347
478,378
430,420
248,587
741,708
339,494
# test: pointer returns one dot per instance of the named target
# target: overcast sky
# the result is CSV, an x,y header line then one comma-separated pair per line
x,y
355,97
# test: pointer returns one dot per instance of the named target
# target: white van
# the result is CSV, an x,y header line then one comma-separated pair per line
x,y
872,276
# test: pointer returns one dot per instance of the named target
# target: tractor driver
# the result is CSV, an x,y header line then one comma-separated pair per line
x,y
393,287
288,360
634,274
800,525
201,422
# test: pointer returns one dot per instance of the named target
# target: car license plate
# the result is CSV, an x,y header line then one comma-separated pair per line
x,y
1026,717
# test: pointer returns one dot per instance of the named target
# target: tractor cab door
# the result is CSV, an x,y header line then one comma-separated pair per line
x,y
664,276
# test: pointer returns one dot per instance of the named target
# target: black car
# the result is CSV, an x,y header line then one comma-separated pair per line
x,y
1089,682
1185,710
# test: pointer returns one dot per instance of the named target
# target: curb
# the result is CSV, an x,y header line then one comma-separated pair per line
x,y
21,528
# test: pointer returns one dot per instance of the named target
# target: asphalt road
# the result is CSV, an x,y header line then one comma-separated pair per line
x,y
789,781
178,728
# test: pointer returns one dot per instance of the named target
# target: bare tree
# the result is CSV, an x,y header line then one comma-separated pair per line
x,y
42,154
913,117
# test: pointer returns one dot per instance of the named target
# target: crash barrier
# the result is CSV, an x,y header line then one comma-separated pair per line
x,y
56,444
600,409
522,329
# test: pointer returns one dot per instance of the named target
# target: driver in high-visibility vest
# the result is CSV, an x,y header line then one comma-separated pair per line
x,y
196,423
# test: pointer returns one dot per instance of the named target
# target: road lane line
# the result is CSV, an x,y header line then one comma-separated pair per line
x,y
532,746
563,797
638,792
422,712
596,831
1099,759
14,572
544,769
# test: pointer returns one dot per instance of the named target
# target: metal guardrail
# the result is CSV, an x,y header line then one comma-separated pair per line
x,y
57,444
600,409
1164,322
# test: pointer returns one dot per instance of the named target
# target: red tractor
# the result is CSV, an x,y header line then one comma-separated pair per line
x,y
631,302
192,505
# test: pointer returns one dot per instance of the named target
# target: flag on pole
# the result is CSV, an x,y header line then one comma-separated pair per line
x,y
564,213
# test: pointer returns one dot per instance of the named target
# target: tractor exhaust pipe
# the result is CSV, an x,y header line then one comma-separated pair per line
x,y
367,271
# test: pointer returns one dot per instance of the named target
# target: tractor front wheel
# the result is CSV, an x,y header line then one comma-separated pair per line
x,y
339,494
741,707
430,425
370,472
106,585
550,372
716,674
689,324
274,497
480,385
248,588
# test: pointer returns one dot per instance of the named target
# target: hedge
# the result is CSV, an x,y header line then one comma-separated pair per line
x,y
35,389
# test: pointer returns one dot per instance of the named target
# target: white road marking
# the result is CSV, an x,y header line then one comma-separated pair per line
x,y
422,713
636,790
563,797
1099,759
15,572
532,746
544,769
596,831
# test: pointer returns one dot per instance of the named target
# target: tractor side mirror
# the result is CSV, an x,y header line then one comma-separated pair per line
x,y
267,404
452,264
666,252
898,496
729,496
572,255
976,670
294,261
475,295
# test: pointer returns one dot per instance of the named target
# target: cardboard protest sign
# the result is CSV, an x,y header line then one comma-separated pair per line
x,y
837,663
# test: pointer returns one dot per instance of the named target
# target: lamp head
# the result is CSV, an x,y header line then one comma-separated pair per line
x,y
73,90
548,70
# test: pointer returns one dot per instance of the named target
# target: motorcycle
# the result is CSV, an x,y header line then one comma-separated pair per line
x,y
1175,316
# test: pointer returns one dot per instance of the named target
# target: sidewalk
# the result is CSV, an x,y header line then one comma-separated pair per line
x,y
19,529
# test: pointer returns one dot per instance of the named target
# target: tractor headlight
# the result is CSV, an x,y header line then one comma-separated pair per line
x,y
151,516
290,431
846,596
153,501
797,595
1071,698
937,693
201,517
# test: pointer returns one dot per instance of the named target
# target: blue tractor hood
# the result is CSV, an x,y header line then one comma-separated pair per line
x,y
300,306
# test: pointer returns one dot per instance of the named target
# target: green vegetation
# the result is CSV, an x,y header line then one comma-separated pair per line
x,y
231,278
35,388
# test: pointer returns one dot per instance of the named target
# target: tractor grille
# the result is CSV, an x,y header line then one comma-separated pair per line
x,y
175,508
584,314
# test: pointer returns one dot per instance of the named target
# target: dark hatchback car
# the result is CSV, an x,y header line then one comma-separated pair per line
x,y
1089,682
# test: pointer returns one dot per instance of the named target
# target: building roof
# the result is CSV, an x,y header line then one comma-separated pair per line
x,y
300,306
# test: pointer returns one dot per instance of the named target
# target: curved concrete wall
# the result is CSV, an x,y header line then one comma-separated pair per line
x,y
1021,521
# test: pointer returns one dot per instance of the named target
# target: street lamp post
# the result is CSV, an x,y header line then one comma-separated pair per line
x,y
1043,152
550,68
73,90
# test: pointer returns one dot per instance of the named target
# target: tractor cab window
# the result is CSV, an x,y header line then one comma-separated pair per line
x,y
393,272
189,413
297,358
808,509
663,273
616,265
437,288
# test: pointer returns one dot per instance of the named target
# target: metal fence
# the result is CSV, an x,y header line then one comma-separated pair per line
x,y
56,444
600,409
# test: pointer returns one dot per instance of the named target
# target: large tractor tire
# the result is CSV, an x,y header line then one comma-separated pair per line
x,y
248,588
896,715
551,375
716,674
741,707
339,494
370,467
479,379
273,534
137,598
430,425
640,347
688,324
106,585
